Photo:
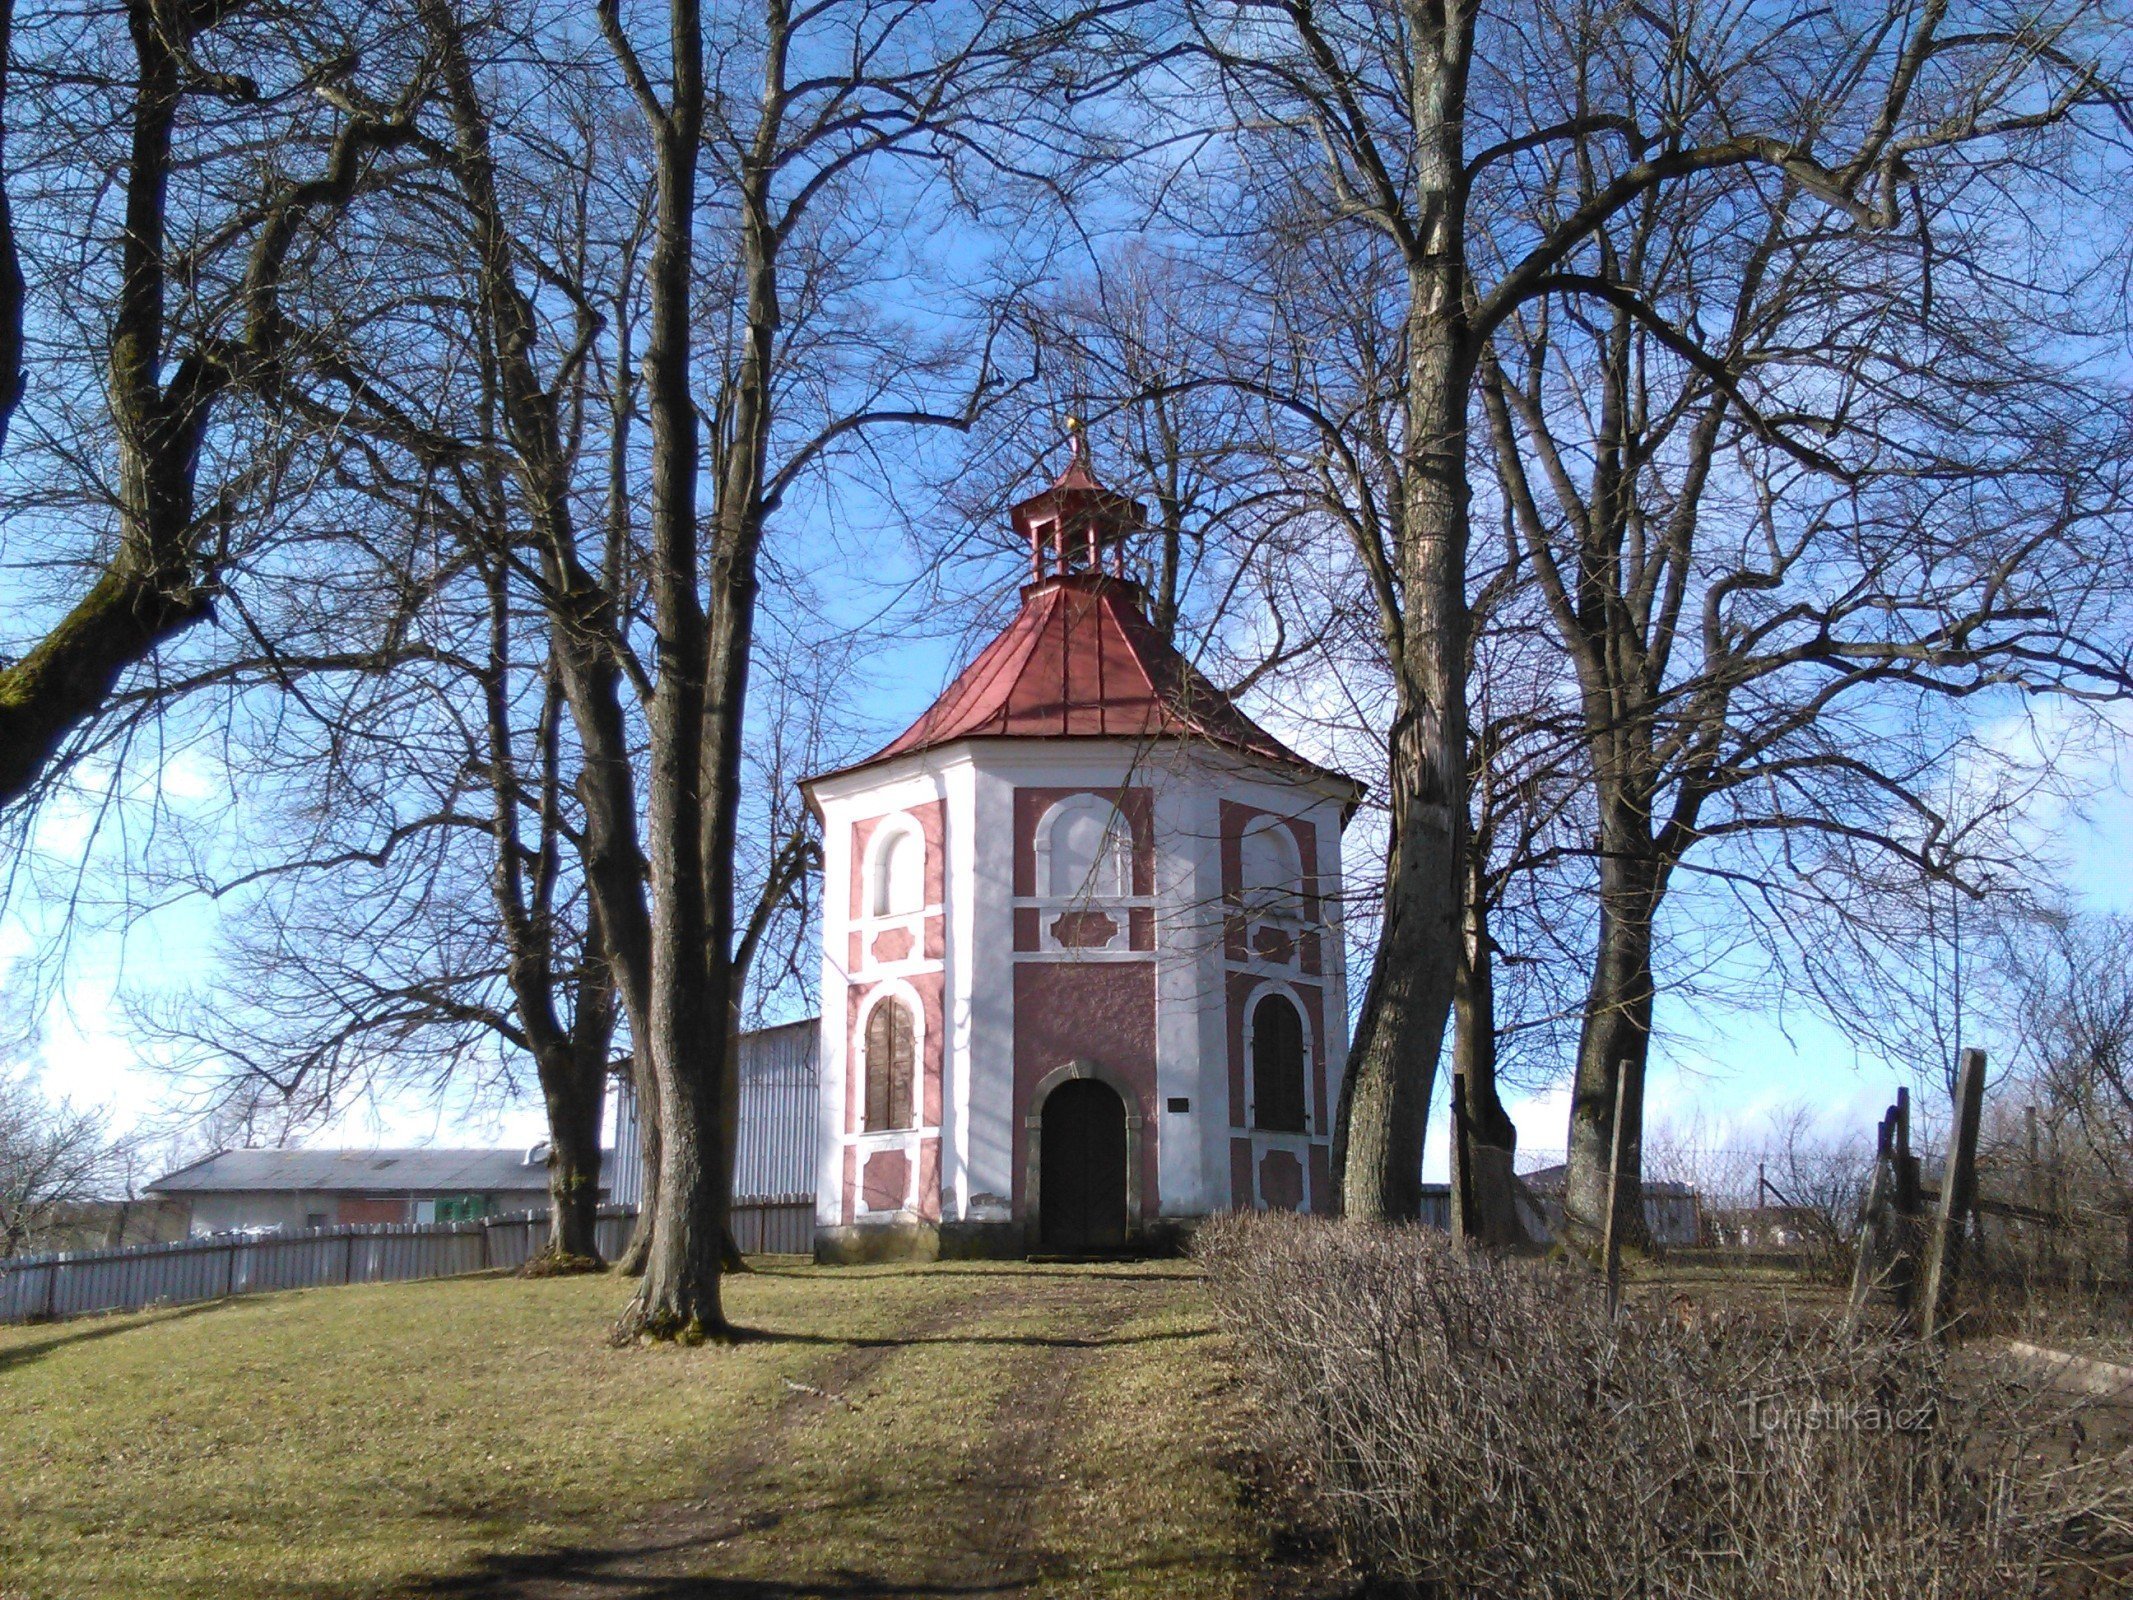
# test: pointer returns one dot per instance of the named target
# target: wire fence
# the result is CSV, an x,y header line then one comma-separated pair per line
x,y
80,1283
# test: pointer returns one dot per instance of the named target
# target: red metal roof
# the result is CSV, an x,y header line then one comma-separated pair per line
x,y
1081,661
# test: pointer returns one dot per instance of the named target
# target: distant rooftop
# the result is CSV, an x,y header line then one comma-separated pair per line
x,y
361,1172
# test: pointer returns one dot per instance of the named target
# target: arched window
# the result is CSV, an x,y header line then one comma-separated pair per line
x,y
1090,849
1278,1067
890,1041
1271,875
899,873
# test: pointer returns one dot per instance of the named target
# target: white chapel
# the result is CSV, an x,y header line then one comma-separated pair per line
x,y
1082,978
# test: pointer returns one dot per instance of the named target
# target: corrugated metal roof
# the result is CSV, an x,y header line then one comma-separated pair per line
x,y
359,1172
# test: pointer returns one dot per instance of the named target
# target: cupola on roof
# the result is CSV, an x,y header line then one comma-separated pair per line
x,y
1081,660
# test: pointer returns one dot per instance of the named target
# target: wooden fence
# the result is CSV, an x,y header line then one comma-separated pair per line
x,y
78,1283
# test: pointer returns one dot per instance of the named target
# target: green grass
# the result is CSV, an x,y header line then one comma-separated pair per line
x,y
353,1441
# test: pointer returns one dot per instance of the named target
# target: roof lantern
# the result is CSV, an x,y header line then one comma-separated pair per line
x,y
1072,525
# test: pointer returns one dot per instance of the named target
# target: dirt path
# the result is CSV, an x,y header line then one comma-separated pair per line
x,y
1036,1431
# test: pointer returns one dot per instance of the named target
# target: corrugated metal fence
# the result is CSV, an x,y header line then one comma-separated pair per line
x,y
78,1283
775,1153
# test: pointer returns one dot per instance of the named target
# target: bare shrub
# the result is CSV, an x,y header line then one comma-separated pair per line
x,y
1483,1428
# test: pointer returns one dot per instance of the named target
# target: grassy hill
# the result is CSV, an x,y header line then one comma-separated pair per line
x,y
1017,1429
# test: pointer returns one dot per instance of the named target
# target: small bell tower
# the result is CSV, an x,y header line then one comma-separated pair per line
x,y
1075,523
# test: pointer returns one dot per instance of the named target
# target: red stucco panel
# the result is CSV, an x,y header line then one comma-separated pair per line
x,y
862,830
1239,986
929,1179
1100,1011
1281,1181
1240,1174
887,1180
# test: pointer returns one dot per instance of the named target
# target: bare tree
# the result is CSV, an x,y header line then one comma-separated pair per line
x,y
52,1157
180,103
1781,490
2068,993
803,106
1358,118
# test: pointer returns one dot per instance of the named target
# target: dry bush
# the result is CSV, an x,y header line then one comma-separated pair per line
x,y
2060,1270
1485,1429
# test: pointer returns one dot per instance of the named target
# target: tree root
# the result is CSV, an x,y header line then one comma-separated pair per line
x,y
647,1325
560,1264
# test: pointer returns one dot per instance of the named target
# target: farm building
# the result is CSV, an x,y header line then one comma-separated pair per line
x,y
774,1158
1082,978
1673,1212
290,1190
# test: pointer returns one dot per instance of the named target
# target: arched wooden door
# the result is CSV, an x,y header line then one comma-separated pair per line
x,y
1081,1184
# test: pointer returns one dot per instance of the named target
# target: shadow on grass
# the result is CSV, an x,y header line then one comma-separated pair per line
x,y
1035,1341
89,1330
568,1573
585,1572
1080,1271
589,1570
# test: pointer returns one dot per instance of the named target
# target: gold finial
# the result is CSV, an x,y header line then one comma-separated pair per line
x,y
1075,427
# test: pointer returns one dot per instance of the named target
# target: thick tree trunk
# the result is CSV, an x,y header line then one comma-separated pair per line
x,y
577,1104
1383,1115
1384,1105
1491,1137
678,1295
1616,1036
576,1099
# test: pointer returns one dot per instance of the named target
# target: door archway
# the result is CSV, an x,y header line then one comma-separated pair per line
x,y
1083,1169
1081,1185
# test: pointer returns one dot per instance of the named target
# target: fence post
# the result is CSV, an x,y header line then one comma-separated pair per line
x,y
51,1291
1958,1186
229,1273
1873,1217
348,1257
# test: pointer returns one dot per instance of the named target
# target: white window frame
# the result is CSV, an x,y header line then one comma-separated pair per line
x,y
874,888
1118,907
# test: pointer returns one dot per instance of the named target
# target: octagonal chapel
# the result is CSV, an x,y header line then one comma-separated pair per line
x,y
1081,980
